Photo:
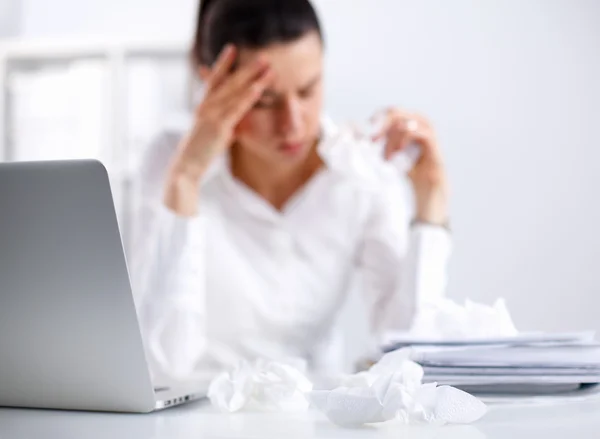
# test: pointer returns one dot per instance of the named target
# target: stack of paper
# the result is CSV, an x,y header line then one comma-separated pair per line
x,y
522,364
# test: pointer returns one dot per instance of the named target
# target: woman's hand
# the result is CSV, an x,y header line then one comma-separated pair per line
x,y
228,97
401,129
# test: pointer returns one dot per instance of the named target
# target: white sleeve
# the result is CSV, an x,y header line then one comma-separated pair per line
x,y
167,270
403,267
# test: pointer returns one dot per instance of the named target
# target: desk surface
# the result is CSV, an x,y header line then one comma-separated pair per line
x,y
572,419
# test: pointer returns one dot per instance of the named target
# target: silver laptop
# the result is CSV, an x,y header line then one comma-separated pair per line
x,y
69,333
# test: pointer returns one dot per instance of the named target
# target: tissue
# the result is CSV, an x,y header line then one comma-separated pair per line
x,y
393,390
445,319
349,150
261,385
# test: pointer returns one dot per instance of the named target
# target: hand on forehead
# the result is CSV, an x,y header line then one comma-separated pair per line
x,y
295,65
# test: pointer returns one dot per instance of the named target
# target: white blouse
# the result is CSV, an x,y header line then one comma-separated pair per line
x,y
243,280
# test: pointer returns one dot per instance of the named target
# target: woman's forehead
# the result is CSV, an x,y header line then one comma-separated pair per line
x,y
293,63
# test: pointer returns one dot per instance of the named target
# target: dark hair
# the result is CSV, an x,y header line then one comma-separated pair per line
x,y
250,24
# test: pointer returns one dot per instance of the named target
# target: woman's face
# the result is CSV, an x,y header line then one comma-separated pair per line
x,y
285,123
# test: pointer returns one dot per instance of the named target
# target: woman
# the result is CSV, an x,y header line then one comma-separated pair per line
x,y
251,233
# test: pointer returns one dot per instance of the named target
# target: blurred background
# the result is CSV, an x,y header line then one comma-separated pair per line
x,y
512,86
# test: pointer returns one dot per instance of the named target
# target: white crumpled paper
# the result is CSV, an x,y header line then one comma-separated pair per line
x,y
447,320
393,390
261,385
350,150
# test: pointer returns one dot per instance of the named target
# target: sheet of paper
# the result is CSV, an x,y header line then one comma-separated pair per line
x,y
574,356
458,380
503,371
396,340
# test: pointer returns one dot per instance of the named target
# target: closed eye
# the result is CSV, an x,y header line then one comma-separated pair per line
x,y
270,98
307,92
267,100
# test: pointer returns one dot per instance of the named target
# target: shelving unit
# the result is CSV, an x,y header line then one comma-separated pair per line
x,y
91,99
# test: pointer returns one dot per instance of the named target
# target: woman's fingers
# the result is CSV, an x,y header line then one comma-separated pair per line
x,y
400,137
400,128
396,128
233,88
393,118
397,138
239,81
230,95
221,67
244,101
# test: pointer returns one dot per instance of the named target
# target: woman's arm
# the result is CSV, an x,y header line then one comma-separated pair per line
x,y
403,266
169,255
406,263
167,268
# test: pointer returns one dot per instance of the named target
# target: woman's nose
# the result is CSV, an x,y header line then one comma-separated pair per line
x,y
290,117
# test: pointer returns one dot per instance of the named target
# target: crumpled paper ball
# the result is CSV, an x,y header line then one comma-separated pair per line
x,y
261,385
350,151
446,319
393,390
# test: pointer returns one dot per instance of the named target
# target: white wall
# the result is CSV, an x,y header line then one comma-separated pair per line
x,y
10,18
154,19
513,89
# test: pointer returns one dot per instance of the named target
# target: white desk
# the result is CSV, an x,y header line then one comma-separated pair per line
x,y
572,420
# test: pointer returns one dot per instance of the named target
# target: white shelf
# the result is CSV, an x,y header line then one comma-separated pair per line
x,y
22,50
125,126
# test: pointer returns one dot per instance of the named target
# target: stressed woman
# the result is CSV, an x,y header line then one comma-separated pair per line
x,y
252,232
